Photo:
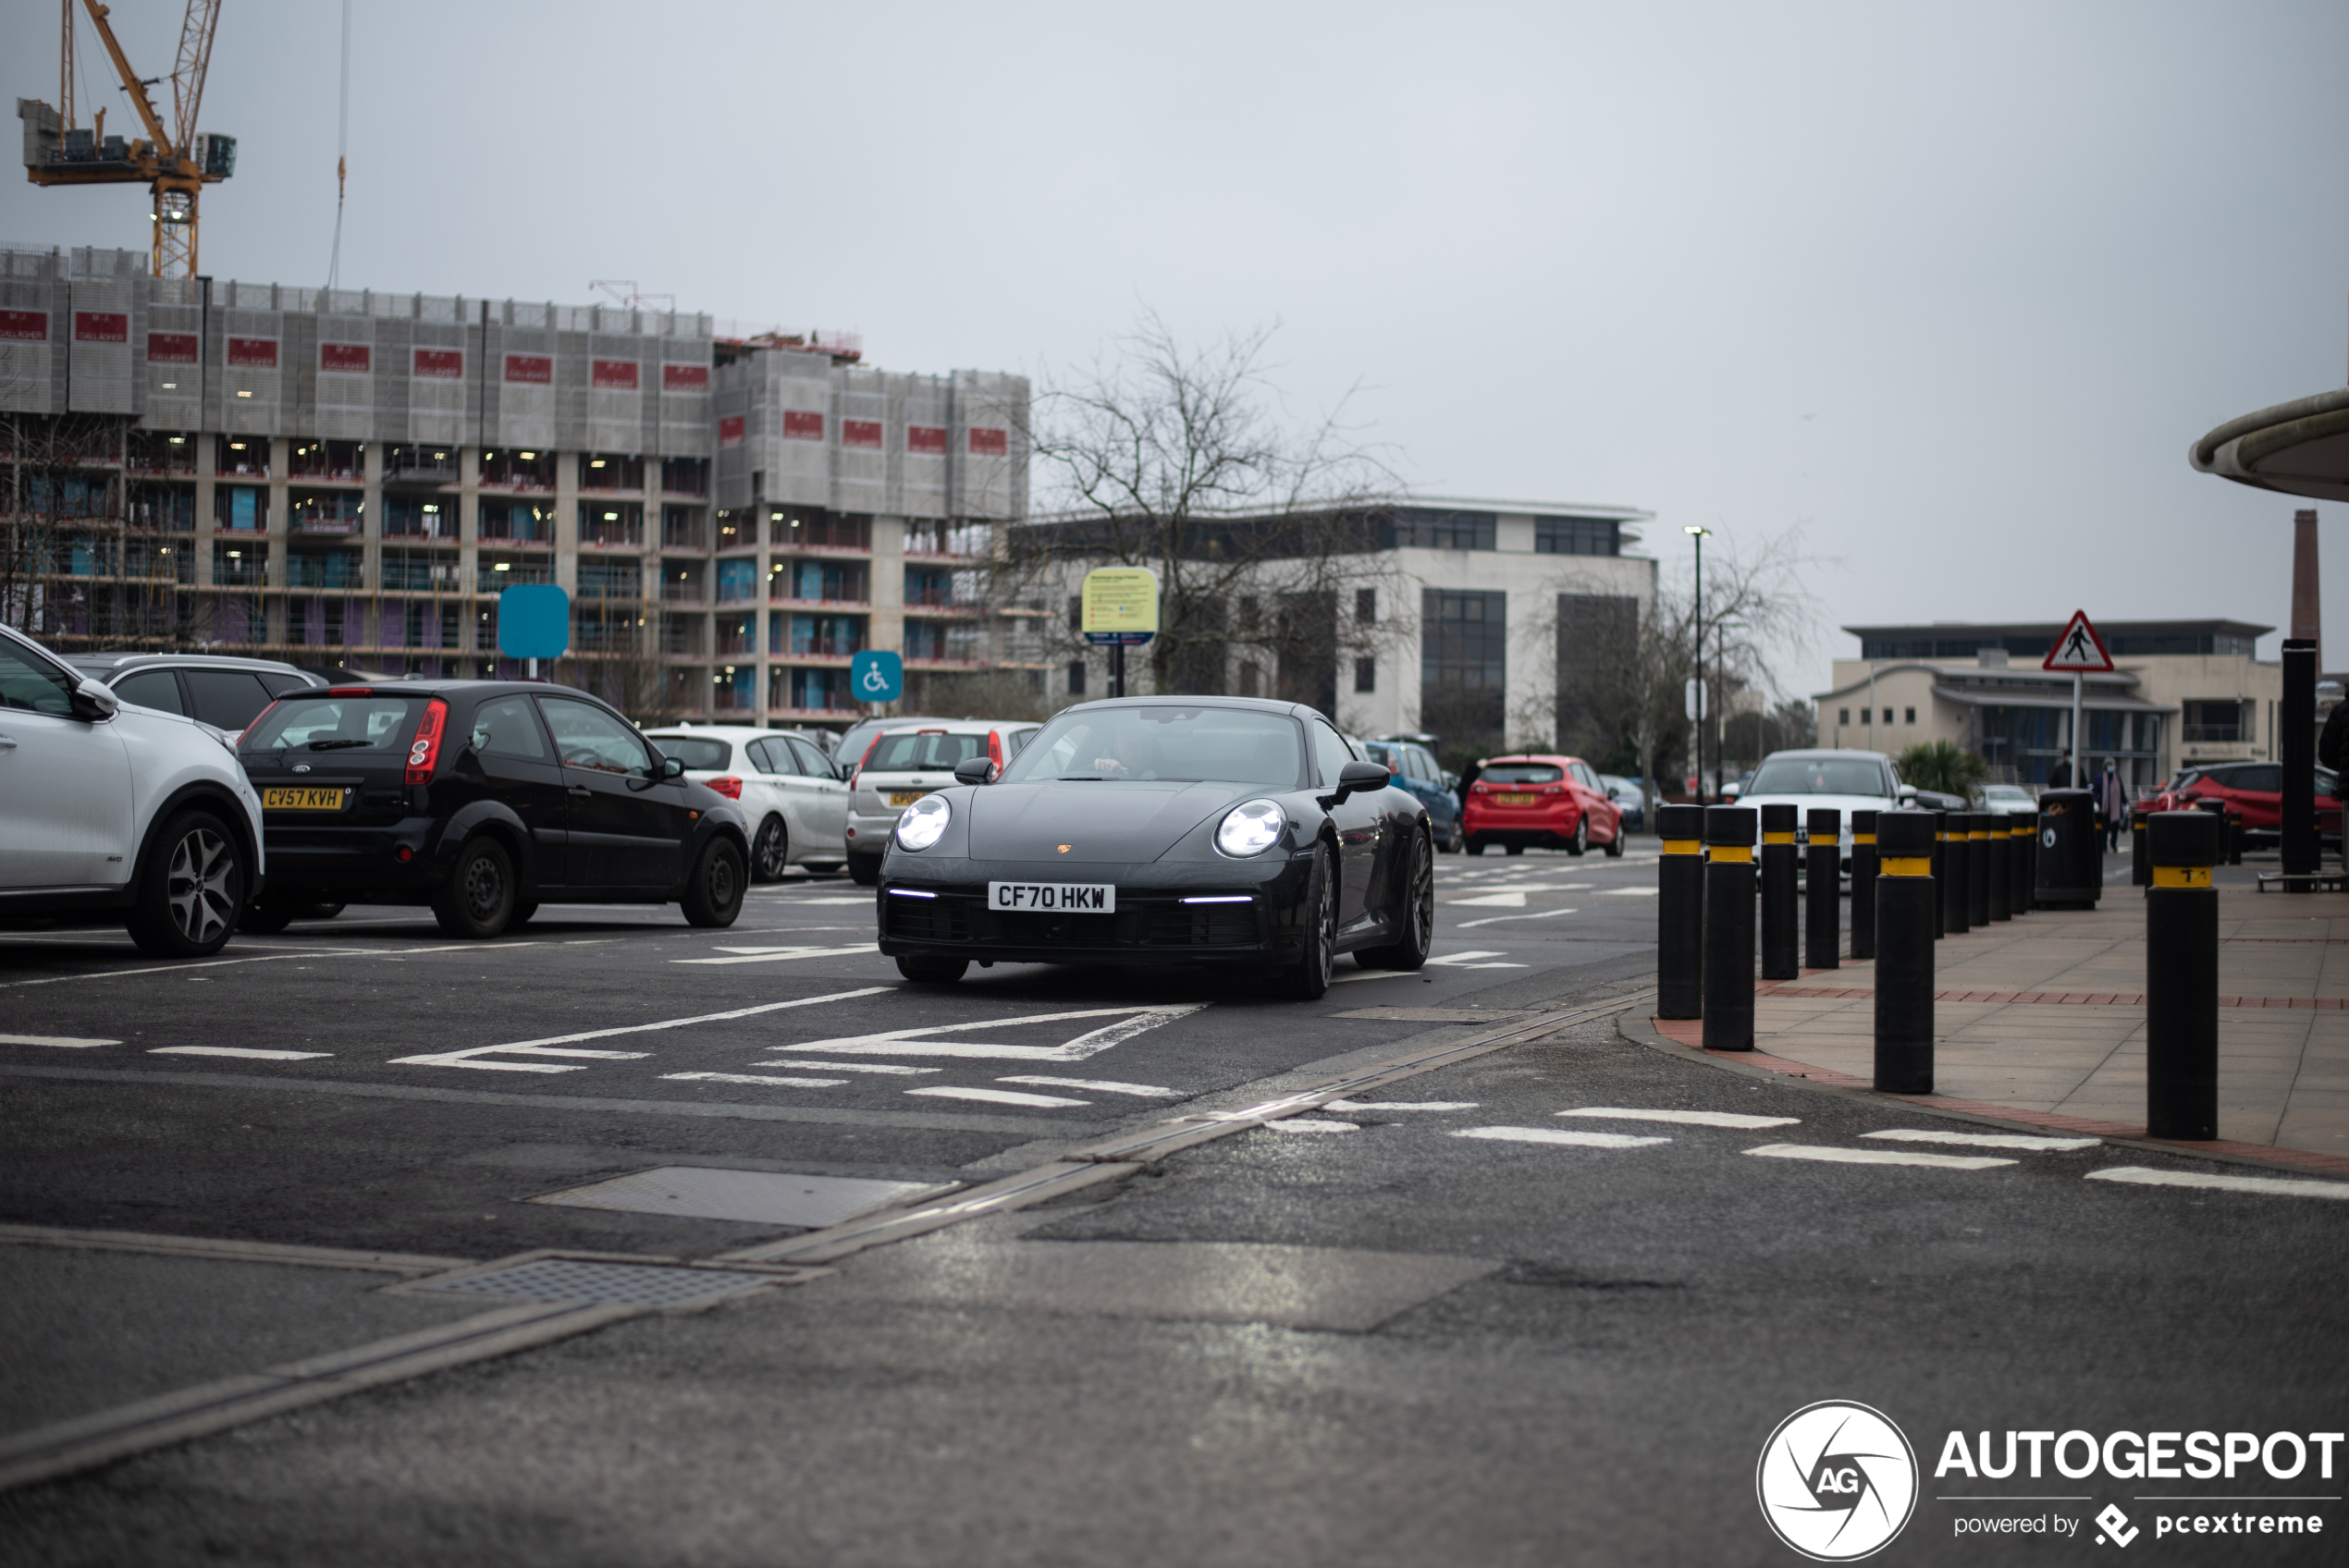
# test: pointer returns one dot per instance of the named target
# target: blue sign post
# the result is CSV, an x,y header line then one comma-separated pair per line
x,y
876,676
534,623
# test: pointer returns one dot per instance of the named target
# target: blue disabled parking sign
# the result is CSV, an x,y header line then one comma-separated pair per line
x,y
876,676
534,621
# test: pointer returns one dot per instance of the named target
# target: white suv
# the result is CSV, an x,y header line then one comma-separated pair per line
x,y
796,803
901,766
118,812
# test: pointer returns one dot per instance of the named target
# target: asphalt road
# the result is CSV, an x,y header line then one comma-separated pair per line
x,y
1480,1315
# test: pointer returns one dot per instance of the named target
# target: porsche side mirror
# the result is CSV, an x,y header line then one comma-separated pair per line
x,y
975,770
1359,776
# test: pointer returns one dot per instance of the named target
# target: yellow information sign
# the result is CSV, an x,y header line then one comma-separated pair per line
x,y
1120,604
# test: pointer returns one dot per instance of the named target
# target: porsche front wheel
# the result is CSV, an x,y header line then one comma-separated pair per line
x,y
1308,977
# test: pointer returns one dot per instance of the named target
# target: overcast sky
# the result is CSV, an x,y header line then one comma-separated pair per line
x,y
1952,287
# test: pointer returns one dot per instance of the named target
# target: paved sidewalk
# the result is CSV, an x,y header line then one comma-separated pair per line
x,y
2045,1016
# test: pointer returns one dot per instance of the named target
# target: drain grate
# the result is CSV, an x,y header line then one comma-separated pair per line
x,y
592,1283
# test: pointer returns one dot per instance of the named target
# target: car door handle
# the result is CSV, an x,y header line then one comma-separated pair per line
x,y
583,792
7,742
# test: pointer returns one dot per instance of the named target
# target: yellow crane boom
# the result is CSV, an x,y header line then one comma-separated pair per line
x,y
174,164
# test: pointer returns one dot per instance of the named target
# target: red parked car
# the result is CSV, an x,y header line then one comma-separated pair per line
x,y
2256,788
1556,802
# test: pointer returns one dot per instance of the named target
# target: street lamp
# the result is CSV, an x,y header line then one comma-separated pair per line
x,y
1701,535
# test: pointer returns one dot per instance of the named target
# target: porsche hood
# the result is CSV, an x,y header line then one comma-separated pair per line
x,y
1107,821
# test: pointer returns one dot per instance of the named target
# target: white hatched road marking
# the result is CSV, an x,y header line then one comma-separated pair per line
x,y
1473,961
544,1046
1983,1140
1830,1155
782,955
1146,1091
884,1067
2278,1186
1371,974
1399,1105
911,1041
260,957
1311,1124
65,1041
1559,1135
1691,1117
252,1051
1496,919
1631,892
752,1078
995,1096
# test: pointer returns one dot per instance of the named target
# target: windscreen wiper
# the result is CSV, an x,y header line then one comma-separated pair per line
x,y
336,745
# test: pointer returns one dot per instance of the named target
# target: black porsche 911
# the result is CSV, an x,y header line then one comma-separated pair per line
x,y
1218,830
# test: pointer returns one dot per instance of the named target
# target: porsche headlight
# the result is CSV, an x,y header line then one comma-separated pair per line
x,y
1250,829
924,822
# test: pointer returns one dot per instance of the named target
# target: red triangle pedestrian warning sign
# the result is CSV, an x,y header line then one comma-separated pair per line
x,y
2079,651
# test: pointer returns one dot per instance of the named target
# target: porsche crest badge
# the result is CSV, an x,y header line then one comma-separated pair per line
x,y
1065,848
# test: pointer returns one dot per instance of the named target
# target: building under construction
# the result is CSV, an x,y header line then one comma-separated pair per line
x,y
346,479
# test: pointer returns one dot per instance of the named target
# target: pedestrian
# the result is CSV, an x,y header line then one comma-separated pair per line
x,y
2112,800
1467,778
2060,776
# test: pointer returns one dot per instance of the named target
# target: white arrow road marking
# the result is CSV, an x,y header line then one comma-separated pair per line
x,y
1688,1118
255,1052
542,1047
1559,1135
1833,1155
779,955
1100,1086
1513,900
1984,1140
2281,1186
995,1096
914,1042
1398,1104
66,1040
1311,1124
1471,960
1631,892
1496,919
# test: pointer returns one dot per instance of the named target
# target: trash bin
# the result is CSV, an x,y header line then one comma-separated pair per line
x,y
2070,850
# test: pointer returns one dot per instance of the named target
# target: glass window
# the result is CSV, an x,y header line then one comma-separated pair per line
x,y
33,684
1582,777
334,724
1419,764
920,752
156,689
587,737
812,762
508,729
700,755
1227,745
228,698
1331,753
1521,773
1817,776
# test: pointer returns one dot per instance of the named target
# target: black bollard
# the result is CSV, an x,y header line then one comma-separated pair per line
x,y
1822,895
1781,936
1728,928
2140,868
1863,884
2002,861
1679,913
1941,873
1906,908
1954,894
2181,977
1977,869
2026,856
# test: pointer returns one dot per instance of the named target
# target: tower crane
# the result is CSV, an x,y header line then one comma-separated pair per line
x,y
174,164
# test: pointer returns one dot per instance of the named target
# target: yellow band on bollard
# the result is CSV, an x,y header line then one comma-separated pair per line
x,y
1683,846
1863,837
1730,854
1778,838
1829,839
1905,865
2181,876
1979,833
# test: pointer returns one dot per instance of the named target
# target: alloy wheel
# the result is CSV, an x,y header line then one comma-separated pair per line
x,y
771,853
201,884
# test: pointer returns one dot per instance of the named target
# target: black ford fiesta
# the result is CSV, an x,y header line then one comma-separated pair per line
x,y
480,797
1216,830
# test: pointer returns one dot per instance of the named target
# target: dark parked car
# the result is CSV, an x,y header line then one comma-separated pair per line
x,y
481,798
216,689
1219,830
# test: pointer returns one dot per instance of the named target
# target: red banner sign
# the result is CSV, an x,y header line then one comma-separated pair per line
x,y
684,378
988,443
260,353
24,326
101,326
352,359
618,375
730,431
534,370
925,438
801,426
860,433
440,364
171,348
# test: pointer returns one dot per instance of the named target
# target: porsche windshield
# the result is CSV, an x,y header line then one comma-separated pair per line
x,y
1193,745
1819,776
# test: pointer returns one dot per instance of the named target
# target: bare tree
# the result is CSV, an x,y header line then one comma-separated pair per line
x,y
76,566
1264,537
